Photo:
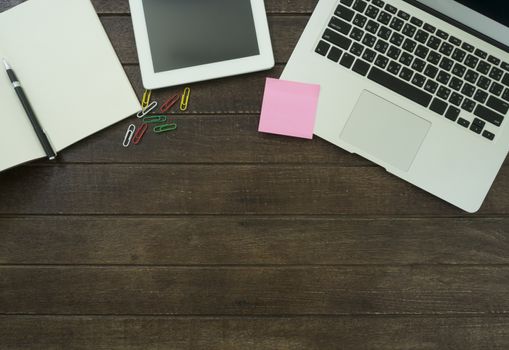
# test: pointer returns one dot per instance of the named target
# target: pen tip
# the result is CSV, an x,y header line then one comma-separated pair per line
x,y
6,64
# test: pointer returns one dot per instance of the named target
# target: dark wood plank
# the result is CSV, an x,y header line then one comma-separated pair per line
x,y
252,241
121,7
361,333
203,189
285,32
206,139
373,290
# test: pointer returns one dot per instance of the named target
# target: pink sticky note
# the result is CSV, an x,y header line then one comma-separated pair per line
x,y
289,108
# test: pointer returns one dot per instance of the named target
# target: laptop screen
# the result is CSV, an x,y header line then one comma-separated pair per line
x,y
497,10
488,17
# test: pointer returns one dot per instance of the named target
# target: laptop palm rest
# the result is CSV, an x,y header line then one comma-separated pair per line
x,y
382,130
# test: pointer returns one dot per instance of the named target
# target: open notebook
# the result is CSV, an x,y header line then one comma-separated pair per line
x,y
69,71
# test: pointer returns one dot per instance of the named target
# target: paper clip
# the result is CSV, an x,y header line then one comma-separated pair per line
x,y
185,99
146,98
154,119
129,135
139,134
147,110
165,128
170,103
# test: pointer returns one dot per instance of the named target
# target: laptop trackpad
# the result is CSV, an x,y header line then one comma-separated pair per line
x,y
385,131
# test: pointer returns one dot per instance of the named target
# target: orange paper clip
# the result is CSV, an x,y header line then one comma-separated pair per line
x,y
170,103
139,134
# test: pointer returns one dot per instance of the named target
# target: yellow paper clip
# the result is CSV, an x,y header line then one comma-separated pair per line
x,y
146,111
165,128
129,135
185,99
145,101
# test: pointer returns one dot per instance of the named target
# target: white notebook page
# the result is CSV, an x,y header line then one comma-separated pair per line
x,y
70,73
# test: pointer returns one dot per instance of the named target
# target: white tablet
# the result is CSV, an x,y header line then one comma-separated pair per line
x,y
184,41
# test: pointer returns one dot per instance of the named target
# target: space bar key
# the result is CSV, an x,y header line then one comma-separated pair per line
x,y
399,86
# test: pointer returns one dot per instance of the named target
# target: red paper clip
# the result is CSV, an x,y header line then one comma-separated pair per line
x,y
170,103
139,134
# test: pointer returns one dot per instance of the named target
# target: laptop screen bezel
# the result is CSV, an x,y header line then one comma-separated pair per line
x,y
466,19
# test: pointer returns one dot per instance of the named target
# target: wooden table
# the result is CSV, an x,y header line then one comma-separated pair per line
x,y
219,237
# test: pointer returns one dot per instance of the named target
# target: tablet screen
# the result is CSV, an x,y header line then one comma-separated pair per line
x,y
188,33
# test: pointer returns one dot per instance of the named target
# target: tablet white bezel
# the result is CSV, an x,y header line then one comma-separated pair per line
x,y
153,80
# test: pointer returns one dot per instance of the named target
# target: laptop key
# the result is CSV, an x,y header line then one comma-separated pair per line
x,y
484,83
397,39
418,80
438,106
391,9
475,128
409,30
369,40
337,39
458,55
381,61
372,11
468,90
399,86
359,20
393,52
446,64
361,67
357,49
483,67
498,105
456,84
459,70
381,46
446,48
347,2
431,86
496,73
488,135
505,95
471,76
340,25
384,18
369,55
396,24
463,122
429,28
334,54
359,5
452,113
468,105
496,89
505,81
357,34
403,15
434,57
443,77
384,33
344,13
347,60
480,96
421,51
443,92
471,61
442,34
378,3
406,58
406,74
505,66
467,47
431,71
421,36
322,48
455,41
416,21
481,53
456,99
489,115
494,60
409,45
394,67
418,65
372,27
434,42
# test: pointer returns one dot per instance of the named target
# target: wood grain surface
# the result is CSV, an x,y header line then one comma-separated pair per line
x,y
219,237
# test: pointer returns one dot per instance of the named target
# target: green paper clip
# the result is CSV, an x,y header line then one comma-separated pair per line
x,y
165,128
155,119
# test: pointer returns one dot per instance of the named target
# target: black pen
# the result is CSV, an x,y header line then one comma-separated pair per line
x,y
43,139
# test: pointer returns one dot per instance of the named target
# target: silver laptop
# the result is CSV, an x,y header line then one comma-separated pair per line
x,y
420,88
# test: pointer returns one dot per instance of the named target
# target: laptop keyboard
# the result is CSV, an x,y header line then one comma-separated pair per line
x,y
420,62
